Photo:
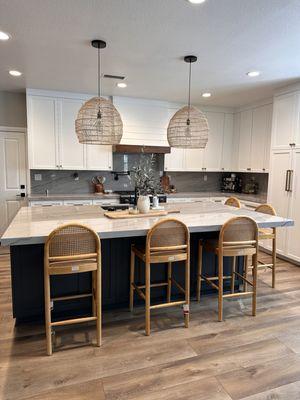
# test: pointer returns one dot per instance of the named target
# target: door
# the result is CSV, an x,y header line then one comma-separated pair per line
x,y
175,160
42,132
260,137
244,156
193,160
12,175
72,153
285,120
213,149
98,157
228,145
278,194
293,233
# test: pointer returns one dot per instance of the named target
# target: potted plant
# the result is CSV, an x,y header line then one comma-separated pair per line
x,y
146,182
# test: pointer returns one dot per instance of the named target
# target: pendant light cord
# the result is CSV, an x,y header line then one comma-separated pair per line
x,y
99,73
189,97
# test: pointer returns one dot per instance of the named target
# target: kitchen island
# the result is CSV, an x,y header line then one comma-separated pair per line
x,y
29,229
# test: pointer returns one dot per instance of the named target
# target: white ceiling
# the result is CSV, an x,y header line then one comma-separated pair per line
x,y
146,42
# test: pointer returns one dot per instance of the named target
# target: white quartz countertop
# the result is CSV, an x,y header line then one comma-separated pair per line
x,y
33,224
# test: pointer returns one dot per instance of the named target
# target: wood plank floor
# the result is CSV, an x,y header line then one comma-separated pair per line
x,y
244,357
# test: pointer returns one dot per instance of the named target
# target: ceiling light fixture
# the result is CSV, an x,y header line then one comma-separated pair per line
x,y
206,94
188,128
98,121
122,85
252,74
4,36
14,72
196,1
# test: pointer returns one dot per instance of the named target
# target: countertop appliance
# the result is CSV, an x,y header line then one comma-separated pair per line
x,y
115,207
129,198
231,183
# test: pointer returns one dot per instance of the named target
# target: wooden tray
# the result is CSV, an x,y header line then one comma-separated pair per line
x,y
125,214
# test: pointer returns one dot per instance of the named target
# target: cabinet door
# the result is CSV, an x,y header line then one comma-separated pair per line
x,y
278,197
42,132
228,145
260,137
244,155
72,153
174,161
285,121
293,233
98,157
194,160
213,150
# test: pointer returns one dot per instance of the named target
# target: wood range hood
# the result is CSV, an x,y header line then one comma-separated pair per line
x,y
129,148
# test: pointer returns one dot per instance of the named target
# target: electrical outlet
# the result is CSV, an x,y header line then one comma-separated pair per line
x,y
37,177
205,178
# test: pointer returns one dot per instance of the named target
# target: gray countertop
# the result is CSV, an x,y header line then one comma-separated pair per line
x,y
33,224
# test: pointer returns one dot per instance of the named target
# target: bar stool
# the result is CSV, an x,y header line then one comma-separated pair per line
x,y
167,242
72,249
238,237
233,202
268,234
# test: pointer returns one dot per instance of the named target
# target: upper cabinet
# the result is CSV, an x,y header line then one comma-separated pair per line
x,y
52,140
252,129
285,126
213,150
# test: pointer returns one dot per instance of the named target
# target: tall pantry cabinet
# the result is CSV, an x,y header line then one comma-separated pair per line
x,y
284,180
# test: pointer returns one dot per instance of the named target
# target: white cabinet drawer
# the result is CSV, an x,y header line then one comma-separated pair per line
x,y
78,202
106,202
42,203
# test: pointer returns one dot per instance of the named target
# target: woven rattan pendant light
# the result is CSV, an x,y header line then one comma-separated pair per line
x,y
98,121
188,128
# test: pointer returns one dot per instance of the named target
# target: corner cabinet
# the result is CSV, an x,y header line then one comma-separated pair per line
x,y
52,140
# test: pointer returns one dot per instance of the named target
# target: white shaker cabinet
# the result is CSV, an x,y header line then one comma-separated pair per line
x,y
228,147
42,132
293,233
213,149
71,152
285,126
175,160
52,140
194,160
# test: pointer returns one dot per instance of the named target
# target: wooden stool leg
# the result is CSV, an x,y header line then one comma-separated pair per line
x,y
147,295
246,273
131,290
187,293
169,287
94,292
199,272
98,307
220,284
47,312
274,259
232,274
254,262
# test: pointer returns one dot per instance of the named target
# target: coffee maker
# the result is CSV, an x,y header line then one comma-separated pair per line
x,y
231,183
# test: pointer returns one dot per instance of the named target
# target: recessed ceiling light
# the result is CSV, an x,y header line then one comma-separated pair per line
x,y
252,74
196,1
4,36
122,85
206,94
15,73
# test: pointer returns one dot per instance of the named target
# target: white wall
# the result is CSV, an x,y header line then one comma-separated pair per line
x,y
13,109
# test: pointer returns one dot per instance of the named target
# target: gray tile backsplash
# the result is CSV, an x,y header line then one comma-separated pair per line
x,y
64,182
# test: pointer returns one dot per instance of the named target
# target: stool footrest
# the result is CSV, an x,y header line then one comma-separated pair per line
x,y
73,297
171,304
209,280
242,277
73,321
237,294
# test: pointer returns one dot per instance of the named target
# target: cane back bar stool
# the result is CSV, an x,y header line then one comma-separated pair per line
x,y
268,234
233,202
72,249
238,237
167,242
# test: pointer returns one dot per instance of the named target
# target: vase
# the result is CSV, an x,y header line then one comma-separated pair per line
x,y
143,204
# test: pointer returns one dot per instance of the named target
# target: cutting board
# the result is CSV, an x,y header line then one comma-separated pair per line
x,y
125,214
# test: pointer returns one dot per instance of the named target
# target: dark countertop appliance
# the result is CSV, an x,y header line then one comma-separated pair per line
x,y
129,198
